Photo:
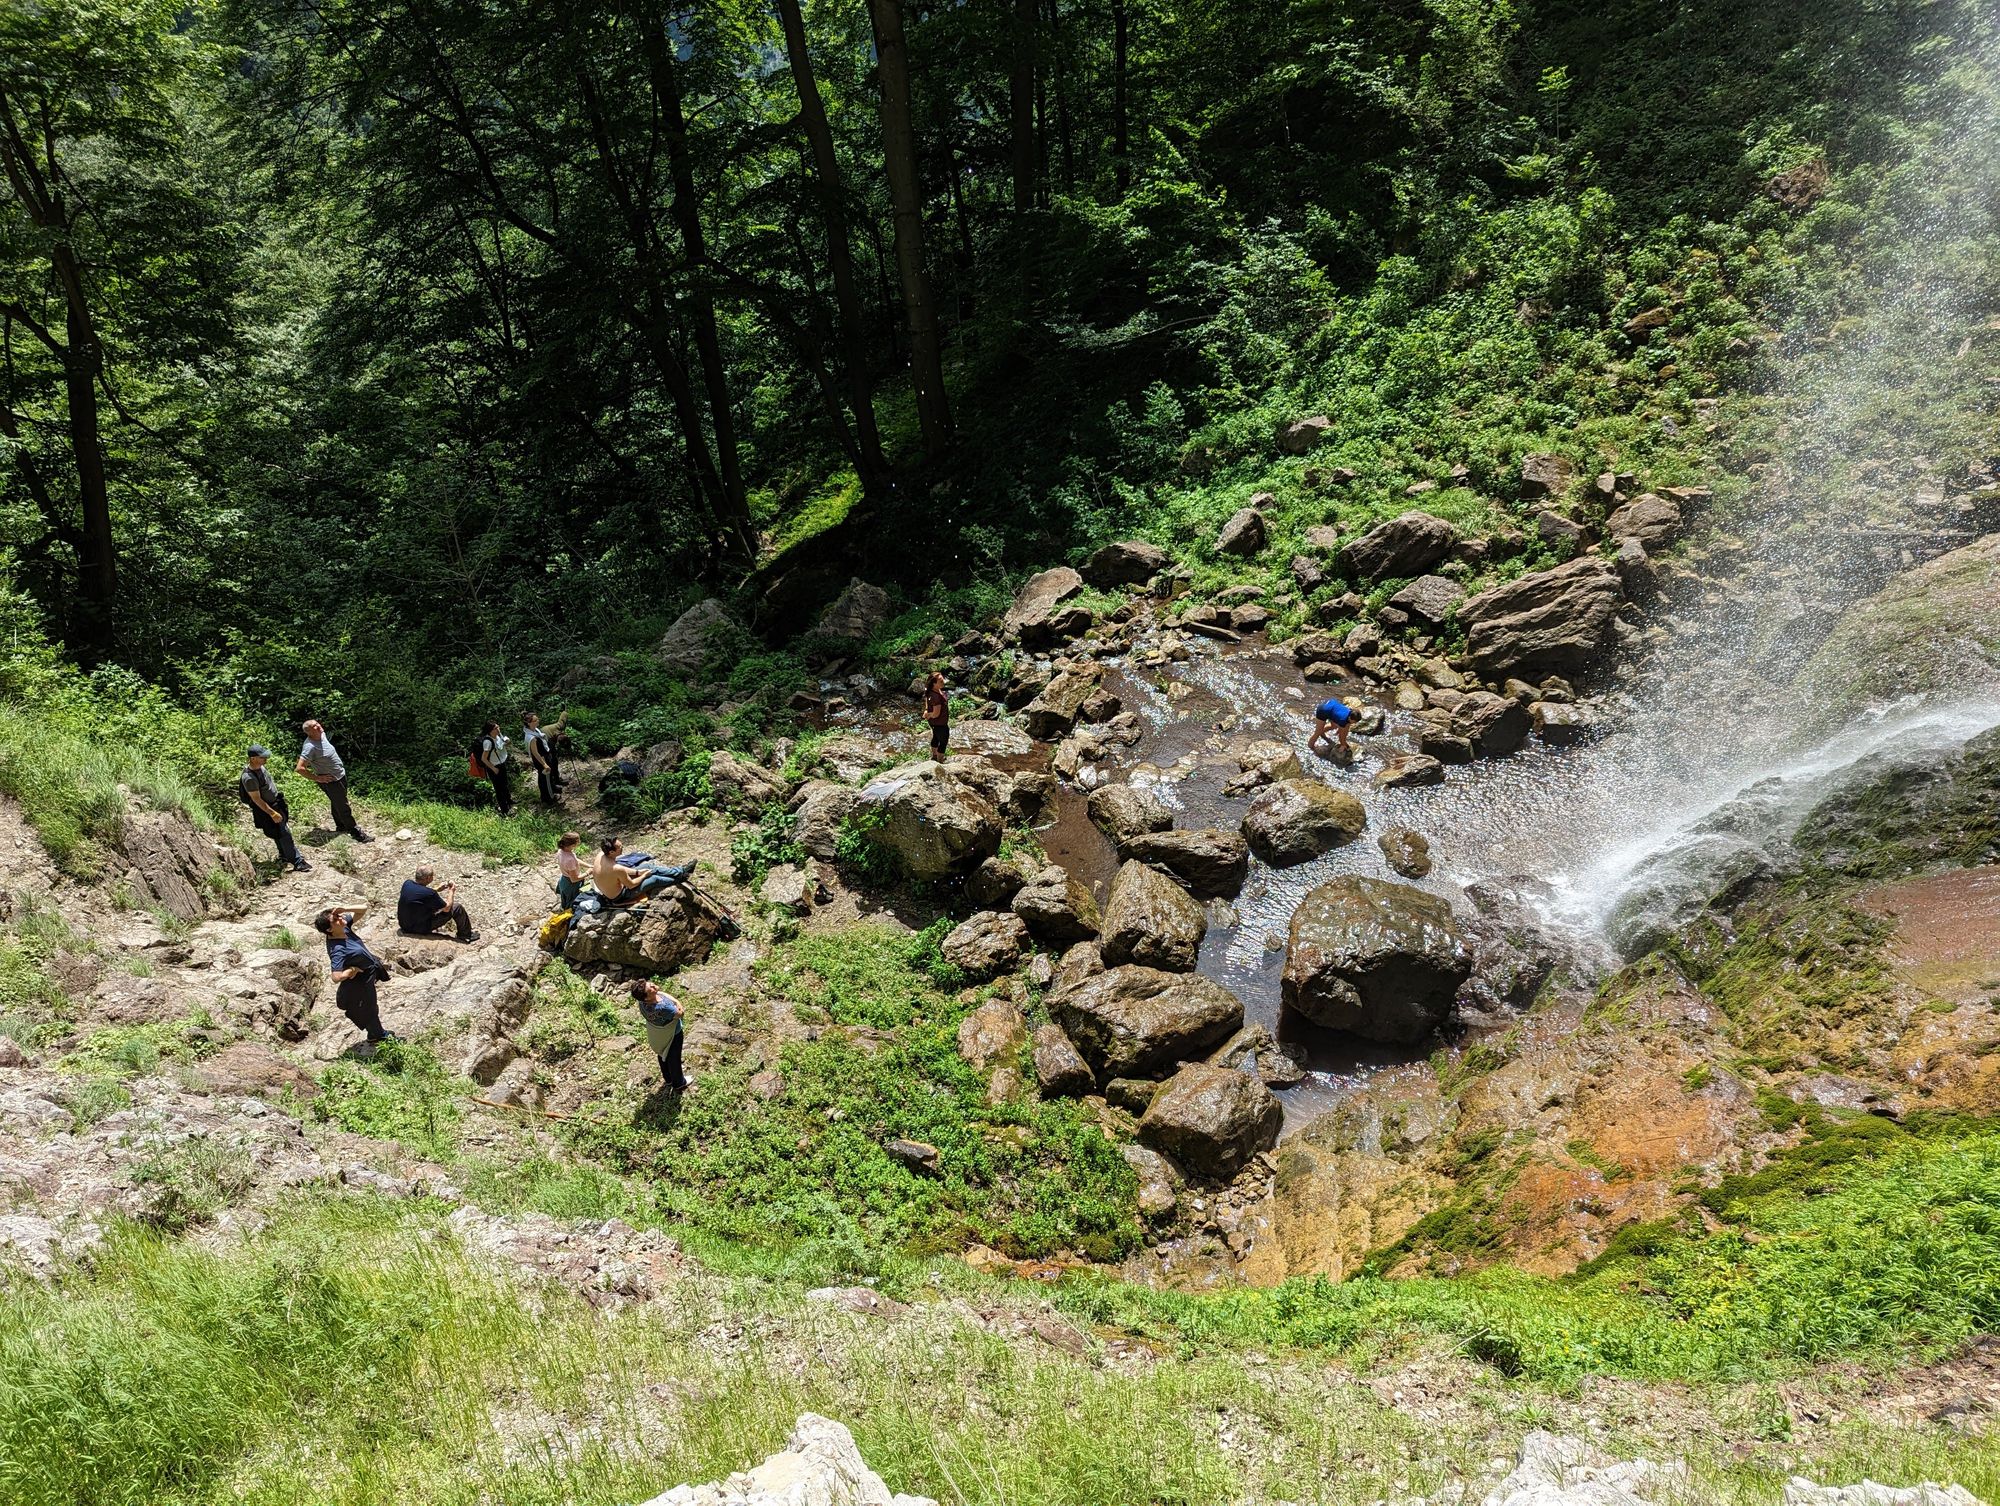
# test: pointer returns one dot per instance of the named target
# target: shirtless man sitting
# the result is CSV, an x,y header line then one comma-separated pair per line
x,y
620,884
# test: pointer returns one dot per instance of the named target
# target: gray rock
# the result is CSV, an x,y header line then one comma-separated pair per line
x,y
1129,1021
1130,562
168,864
1494,725
1254,1048
1158,1189
662,934
819,1467
933,825
856,614
1562,723
1406,770
1150,920
1123,811
1429,600
703,631
1375,959
1552,622
741,786
1081,961
1296,820
787,888
1036,607
1405,545
993,1034
819,813
1303,436
987,945
1057,908
1212,1120
1653,520
1054,711
1244,534
1545,477
1212,863
995,882
1060,1070
1408,852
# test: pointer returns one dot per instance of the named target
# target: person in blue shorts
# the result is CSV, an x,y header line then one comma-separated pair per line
x,y
1333,716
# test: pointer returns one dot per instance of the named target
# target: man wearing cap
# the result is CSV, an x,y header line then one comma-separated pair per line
x,y
260,792
320,763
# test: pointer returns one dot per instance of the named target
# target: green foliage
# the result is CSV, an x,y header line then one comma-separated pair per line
x,y
136,1050
756,850
568,1015
187,1185
403,1094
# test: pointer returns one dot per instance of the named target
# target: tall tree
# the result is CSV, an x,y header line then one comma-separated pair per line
x,y
1021,98
899,162
1121,146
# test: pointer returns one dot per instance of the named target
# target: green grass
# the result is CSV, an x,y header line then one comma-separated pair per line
x,y
402,1094
528,836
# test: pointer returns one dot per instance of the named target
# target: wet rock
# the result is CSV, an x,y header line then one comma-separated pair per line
x,y
1055,710
1132,1095
1060,1070
1211,863
1297,820
1514,952
1212,1120
1653,520
1545,477
1406,545
1429,600
819,813
1262,761
1636,570
1150,920
787,888
1037,606
1131,562
1437,738
1124,811
995,882
1028,797
1157,1181
703,630
855,614
1373,958
1057,908
1128,1021
1562,724
1552,622
1244,534
1494,725
741,786
1304,435
987,945
993,1034
1899,814
662,934
1254,1048
933,825
1081,961
1408,852
1405,770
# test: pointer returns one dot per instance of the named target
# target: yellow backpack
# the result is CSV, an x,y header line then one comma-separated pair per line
x,y
555,930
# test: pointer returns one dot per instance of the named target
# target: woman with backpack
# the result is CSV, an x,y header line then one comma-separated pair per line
x,y
492,753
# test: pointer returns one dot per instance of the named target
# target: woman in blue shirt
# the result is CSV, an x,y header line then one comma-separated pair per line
x,y
355,970
1333,716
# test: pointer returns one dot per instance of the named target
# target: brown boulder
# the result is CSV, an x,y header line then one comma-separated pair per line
x,y
1552,622
1060,1070
1296,820
1150,920
1129,1021
1212,1120
1057,908
1406,545
1212,863
1374,958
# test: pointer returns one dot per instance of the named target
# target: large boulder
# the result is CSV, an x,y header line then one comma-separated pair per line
x,y
1131,562
1653,520
662,934
1406,545
699,633
1060,1070
1053,712
992,1035
1135,1021
1554,622
1212,1120
738,785
1494,725
481,1001
987,945
1303,436
1212,863
855,614
1244,534
1296,820
170,866
1124,811
1057,908
1429,600
1374,958
1036,608
1545,477
934,826
1149,919
819,813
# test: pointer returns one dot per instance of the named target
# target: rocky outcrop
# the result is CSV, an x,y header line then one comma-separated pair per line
x,y
659,935
1212,1120
1303,436
1123,811
1035,618
698,634
1545,477
249,1070
1375,959
1150,920
820,1466
1296,820
819,813
1212,863
741,786
169,865
1131,562
1406,545
1894,816
1132,1021
855,614
1554,622
987,945
931,824
1057,908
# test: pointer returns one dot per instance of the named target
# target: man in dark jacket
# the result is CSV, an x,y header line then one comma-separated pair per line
x,y
354,969
258,790
422,909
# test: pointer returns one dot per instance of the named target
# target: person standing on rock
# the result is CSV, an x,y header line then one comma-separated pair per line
x,y
541,748
1332,716
258,790
354,969
320,763
937,712
493,753
662,1015
422,910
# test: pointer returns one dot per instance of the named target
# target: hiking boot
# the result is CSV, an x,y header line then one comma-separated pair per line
x,y
361,836
302,866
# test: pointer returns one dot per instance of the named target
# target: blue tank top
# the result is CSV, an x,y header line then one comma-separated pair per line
x,y
1335,711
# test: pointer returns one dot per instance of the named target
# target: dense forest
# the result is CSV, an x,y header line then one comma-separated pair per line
x,y
385,358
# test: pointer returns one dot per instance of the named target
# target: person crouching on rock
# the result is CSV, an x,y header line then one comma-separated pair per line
x,y
422,910
620,883
354,969
937,712
268,809
662,1015
1332,716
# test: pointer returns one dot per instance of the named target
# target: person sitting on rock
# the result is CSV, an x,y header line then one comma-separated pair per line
x,y
662,1013
620,883
354,969
422,909
569,877
268,810
1334,716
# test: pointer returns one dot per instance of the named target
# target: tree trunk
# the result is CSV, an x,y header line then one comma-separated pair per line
x,y
1022,97
687,214
1058,48
899,161
840,256
1121,159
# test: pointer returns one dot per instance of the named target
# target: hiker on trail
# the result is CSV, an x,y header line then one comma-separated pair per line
x,y
937,712
422,910
354,969
321,764
569,881
662,1013
541,748
258,790
1332,716
620,880
494,755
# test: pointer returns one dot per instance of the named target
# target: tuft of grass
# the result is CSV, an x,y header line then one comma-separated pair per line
x,y
528,836
403,1094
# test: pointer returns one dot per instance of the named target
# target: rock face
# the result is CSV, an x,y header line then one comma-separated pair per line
x,y
1035,609
1296,820
932,824
1555,622
1212,1120
1407,545
667,932
687,645
1375,959
170,864
819,810
1244,534
987,945
1131,562
1899,816
1123,811
819,1467
1060,1070
1654,521
1132,1021
855,613
1056,907
1212,863
1150,920
741,786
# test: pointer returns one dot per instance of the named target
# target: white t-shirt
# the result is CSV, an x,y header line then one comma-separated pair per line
x,y
494,750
